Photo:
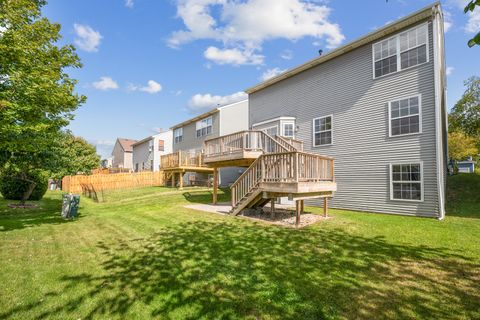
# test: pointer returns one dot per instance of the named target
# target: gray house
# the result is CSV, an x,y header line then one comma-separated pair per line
x,y
377,106
122,153
190,135
147,152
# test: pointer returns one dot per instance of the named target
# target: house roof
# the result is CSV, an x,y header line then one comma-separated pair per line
x,y
126,144
390,28
204,115
142,141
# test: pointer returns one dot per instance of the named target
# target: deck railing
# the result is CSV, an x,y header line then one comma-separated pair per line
x,y
283,167
244,141
296,144
181,159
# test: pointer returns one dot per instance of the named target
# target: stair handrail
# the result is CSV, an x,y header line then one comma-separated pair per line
x,y
286,144
299,166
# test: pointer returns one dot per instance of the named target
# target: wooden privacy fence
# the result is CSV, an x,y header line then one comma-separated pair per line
x,y
97,182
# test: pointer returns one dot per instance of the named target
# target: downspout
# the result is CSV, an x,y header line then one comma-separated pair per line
x,y
438,65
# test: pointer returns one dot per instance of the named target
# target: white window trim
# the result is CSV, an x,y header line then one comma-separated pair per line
x,y
422,189
419,96
313,131
399,60
199,122
283,123
181,134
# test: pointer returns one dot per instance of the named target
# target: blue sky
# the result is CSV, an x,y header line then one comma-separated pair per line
x,y
149,64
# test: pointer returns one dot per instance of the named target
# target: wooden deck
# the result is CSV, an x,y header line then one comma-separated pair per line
x,y
184,162
242,148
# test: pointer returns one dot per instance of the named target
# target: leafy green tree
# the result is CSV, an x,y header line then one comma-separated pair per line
x,y
37,95
465,115
75,155
470,7
461,146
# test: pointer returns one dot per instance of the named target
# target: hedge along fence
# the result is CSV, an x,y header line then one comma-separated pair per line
x,y
99,182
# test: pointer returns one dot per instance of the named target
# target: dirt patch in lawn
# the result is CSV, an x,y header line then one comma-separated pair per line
x,y
283,217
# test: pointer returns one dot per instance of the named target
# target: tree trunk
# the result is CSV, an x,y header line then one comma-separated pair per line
x,y
31,185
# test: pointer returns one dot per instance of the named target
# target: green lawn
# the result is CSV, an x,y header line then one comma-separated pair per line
x,y
140,254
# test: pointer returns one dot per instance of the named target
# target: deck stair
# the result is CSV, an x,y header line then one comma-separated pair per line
x,y
276,167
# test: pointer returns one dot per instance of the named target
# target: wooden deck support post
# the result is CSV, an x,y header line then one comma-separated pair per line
x,y
173,179
272,208
302,206
325,207
297,218
180,177
215,185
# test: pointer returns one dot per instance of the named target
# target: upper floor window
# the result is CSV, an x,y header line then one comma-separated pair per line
x,y
322,131
401,51
406,181
161,145
178,135
204,127
405,116
288,130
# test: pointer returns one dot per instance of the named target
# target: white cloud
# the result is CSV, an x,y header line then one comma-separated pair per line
x,y
286,54
129,3
208,101
151,87
87,39
449,70
243,27
270,73
448,20
105,83
473,24
232,56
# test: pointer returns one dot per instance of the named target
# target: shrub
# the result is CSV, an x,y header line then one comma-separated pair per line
x,y
13,188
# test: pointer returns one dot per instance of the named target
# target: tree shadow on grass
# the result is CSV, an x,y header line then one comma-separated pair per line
x,y
47,212
242,270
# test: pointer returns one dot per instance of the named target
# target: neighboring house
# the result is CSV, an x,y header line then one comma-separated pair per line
x,y
107,163
189,136
147,152
122,153
377,105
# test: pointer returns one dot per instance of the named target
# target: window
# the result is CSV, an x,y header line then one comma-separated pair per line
x,y
178,135
413,47
405,116
406,182
401,51
322,131
151,165
288,130
204,127
161,145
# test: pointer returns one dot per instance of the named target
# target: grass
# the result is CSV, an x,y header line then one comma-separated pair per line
x,y
141,254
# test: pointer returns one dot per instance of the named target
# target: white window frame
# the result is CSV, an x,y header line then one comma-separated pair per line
x,y
293,128
176,136
399,60
313,131
422,189
419,96
199,125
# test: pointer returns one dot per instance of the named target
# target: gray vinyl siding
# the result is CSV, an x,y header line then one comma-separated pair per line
x,y
190,140
142,155
344,87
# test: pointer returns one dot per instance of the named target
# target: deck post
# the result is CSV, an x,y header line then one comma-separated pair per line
x,y
180,177
272,208
297,218
215,185
173,179
302,206
325,207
